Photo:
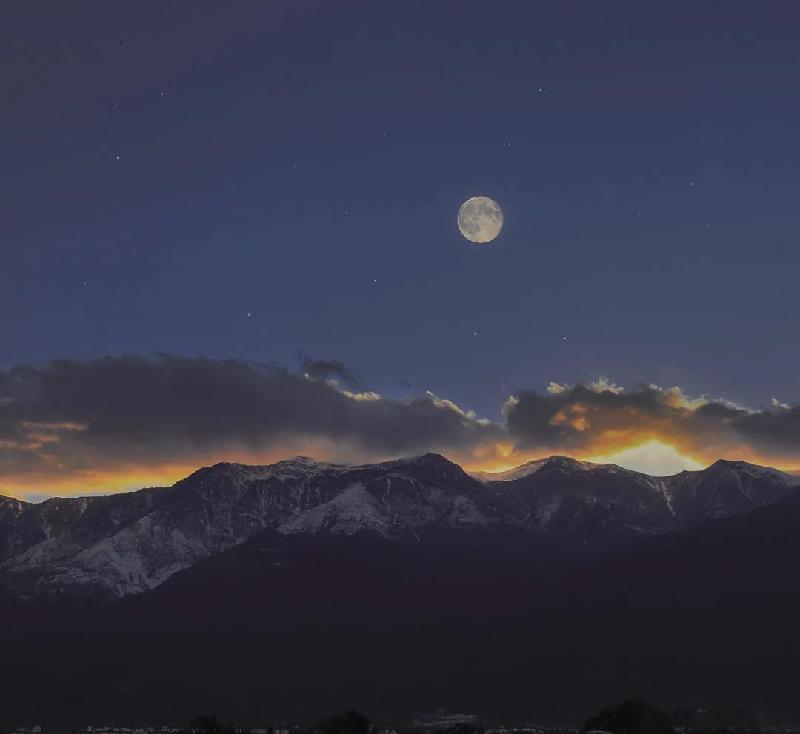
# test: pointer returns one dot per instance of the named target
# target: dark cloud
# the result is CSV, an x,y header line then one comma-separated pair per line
x,y
573,417
74,415
89,418
771,430
585,418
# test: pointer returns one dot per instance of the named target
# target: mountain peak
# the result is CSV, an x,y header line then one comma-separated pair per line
x,y
13,502
430,464
730,462
738,466
567,462
433,459
556,463
299,461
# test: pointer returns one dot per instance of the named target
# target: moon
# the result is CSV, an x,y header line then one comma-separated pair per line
x,y
480,219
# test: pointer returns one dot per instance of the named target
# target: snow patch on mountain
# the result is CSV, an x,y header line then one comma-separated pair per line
x,y
352,511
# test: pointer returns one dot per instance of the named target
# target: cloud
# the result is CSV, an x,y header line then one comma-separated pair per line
x,y
603,384
124,422
775,403
79,417
331,370
602,416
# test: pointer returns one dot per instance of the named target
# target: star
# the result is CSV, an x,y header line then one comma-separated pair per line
x,y
563,338
691,183
249,314
116,157
474,333
374,280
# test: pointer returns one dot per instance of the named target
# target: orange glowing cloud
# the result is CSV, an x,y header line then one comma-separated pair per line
x,y
117,423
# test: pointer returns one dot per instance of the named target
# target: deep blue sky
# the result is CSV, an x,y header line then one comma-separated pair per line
x,y
168,168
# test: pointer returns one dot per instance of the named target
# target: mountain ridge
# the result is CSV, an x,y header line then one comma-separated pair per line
x,y
111,546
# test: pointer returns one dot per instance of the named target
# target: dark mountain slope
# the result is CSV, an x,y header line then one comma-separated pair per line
x,y
748,561
500,621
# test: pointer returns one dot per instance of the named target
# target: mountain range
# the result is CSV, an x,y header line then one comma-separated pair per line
x,y
112,546
301,588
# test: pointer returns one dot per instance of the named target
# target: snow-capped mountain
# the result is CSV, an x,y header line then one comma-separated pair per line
x,y
122,544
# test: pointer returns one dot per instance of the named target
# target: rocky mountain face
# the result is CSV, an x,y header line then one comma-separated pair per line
x,y
110,547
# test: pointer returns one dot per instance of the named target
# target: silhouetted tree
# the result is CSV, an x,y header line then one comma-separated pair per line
x,y
349,722
633,716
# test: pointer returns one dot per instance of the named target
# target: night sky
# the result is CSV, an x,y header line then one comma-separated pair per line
x,y
276,184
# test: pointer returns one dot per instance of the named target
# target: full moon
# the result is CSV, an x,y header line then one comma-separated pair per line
x,y
480,219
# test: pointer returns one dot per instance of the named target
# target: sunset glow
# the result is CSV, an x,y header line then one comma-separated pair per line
x,y
651,457
162,418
